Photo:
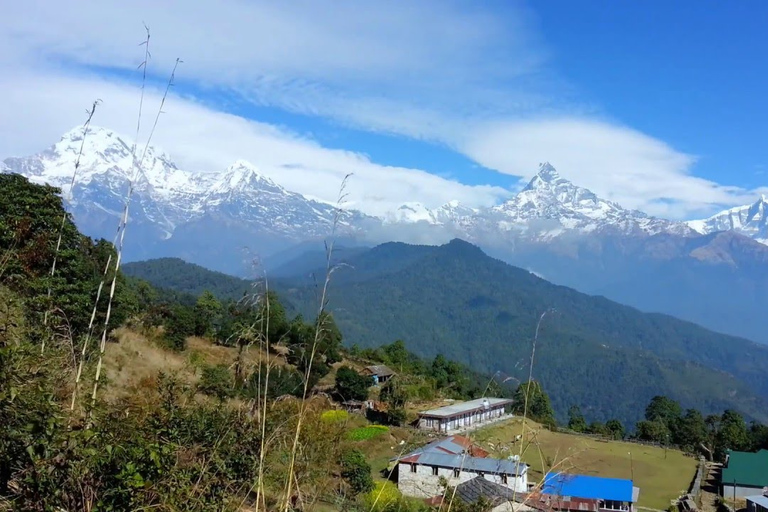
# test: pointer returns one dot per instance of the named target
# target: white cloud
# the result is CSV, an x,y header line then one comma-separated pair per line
x,y
615,162
447,72
44,106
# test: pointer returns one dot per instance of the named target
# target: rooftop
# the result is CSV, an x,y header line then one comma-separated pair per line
x,y
747,468
380,370
464,407
759,499
589,487
455,445
470,491
469,463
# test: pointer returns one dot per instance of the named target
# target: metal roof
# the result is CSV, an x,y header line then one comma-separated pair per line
x,y
456,445
589,487
759,499
746,469
464,407
469,463
472,490
380,370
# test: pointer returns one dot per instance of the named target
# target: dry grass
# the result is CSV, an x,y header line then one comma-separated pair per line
x,y
661,477
135,358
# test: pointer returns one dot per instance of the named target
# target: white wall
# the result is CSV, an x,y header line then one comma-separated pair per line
x,y
423,484
741,492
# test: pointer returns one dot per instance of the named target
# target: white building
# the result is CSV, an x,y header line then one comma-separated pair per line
x,y
420,472
465,414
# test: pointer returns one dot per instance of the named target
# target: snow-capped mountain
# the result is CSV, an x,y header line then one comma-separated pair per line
x,y
750,220
180,212
549,196
237,206
548,207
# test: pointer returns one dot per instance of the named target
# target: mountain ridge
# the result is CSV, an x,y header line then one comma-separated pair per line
x,y
455,300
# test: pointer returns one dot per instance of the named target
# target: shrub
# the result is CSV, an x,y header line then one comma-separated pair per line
x,y
356,471
382,496
216,381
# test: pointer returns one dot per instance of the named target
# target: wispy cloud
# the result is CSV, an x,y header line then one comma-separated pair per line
x,y
476,78
199,138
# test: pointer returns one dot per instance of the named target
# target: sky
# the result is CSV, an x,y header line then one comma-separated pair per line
x,y
657,105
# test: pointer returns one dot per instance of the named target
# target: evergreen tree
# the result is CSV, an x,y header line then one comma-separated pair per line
x,y
208,312
350,385
576,421
732,435
615,429
539,406
691,431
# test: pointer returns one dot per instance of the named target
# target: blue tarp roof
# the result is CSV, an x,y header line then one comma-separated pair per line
x,y
587,487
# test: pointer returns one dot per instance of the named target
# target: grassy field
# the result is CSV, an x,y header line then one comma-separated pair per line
x,y
661,475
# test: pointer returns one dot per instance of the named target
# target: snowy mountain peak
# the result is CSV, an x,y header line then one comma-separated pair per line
x,y
566,207
242,174
750,220
547,172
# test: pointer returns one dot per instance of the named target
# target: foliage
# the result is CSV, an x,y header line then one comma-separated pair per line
x,y
216,381
351,385
30,222
366,433
395,395
384,495
539,407
356,471
448,378
455,301
208,315
278,381
178,326
615,429
576,421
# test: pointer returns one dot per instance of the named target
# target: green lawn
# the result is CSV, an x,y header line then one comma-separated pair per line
x,y
661,476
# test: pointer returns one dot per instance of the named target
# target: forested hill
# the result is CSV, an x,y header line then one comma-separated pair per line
x,y
602,356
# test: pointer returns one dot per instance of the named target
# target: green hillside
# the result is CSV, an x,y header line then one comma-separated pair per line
x,y
603,356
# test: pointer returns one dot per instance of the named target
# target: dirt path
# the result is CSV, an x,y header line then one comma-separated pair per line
x,y
709,488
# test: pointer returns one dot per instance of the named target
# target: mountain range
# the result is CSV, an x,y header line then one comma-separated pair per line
x,y
455,300
713,271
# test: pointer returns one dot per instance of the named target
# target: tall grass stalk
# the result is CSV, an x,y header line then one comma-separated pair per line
x,y
104,277
124,220
329,269
64,215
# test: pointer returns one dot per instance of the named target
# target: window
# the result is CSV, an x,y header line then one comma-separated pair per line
x,y
434,470
504,479
413,468
456,472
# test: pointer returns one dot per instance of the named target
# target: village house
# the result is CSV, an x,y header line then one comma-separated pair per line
x,y
584,493
465,414
379,372
497,498
758,503
744,474
456,460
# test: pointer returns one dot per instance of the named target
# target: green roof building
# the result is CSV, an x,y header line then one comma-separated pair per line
x,y
744,474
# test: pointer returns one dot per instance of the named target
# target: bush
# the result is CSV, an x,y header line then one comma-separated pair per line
x,y
396,416
382,496
356,471
216,381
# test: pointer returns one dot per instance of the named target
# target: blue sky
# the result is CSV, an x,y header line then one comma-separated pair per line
x,y
690,73
656,105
